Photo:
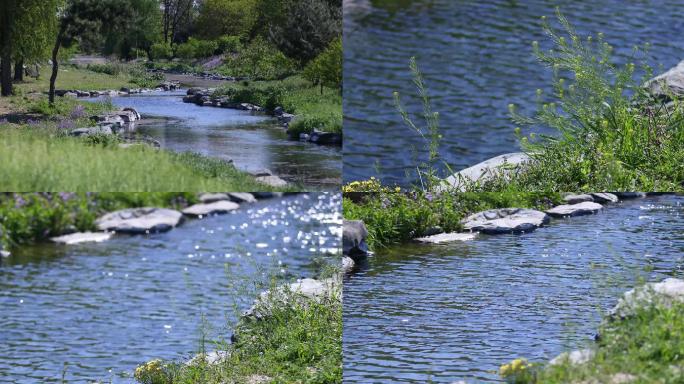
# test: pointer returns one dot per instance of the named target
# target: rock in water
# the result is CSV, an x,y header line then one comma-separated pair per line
x,y
347,264
217,207
207,198
669,84
663,293
604,197
505,220
567,210
486,170
241,197
354,235
139,220
83,237
446,238
576,199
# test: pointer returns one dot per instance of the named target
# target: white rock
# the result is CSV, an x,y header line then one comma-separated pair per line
x,y
139,220
605,197
505,220
670,83
575,357
586,208
663,293
347,264
446,238
217,207
575,199
83,237
207,198
272,180
209,358
486,170
242,197
301,291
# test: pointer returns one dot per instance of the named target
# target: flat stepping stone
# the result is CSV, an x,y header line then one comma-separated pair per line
x,y
82,237
207,198
605,197
567,210
505,220
139,220
242,197
446,238
576,199
218,207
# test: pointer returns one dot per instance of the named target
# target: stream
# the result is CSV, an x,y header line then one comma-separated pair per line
x,y
477,58
253,141
457,312
105,308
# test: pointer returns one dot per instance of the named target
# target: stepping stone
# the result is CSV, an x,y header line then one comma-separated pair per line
x,y
354,235
505,220
208,198
83,237
217,207
139,220
605,197
242,197
629,195
566,210
446,238
575,199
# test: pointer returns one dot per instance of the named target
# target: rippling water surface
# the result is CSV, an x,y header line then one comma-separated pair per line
x,y
477,58
104,308
253,142
459,311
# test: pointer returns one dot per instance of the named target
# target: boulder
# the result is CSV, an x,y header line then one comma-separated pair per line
x,y
325,138
574,358
242,197
128,116
134,111
604,197
217,207
139,220
272,180
663,293
109,119
567,210
486,170
278,111
209,358
300,292
668,85
347,264
286,118
354,234
575,199
82,237
505,220
207,198
446,238
194,90
99,130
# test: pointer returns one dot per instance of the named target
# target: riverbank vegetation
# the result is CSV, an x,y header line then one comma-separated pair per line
x,y
299,342
647,347
608,131
33,217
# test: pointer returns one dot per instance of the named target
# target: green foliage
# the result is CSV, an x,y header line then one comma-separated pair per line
x,y
399,217
195,49
259,60
226,17
301,29
138,31
322,122
326,69
33,217
161,51
229,44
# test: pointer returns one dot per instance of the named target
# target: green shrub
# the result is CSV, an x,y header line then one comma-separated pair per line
x,y
259,60
161,51
229,44
326,69
195,49
308,123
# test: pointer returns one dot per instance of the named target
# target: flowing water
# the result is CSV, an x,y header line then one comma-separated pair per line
x,y
477,58
104,308
252,141
459,311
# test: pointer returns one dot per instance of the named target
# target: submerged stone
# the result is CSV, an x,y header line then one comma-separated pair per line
x,y
505,220
82,237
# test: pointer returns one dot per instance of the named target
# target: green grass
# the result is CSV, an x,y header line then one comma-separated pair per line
x,y
72,77
297,96
648,346
41,160
33,217
300,343
399,217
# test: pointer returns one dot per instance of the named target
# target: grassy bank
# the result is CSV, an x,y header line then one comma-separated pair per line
x,y
299,343
392,217
315,107
33,217
647,347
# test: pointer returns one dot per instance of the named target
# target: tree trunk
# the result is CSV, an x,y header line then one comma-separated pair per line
x,y
6,55
55,65
19,70
6,81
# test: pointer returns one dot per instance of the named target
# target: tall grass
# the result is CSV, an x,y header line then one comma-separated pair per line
x,y
34,161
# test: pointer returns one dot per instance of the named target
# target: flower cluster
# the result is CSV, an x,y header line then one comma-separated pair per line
x,y
152,372
517,371
370,185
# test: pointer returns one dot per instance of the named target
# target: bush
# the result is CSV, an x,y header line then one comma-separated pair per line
x,y
161,51
326,69
195,49
229,44
309,123
259,60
